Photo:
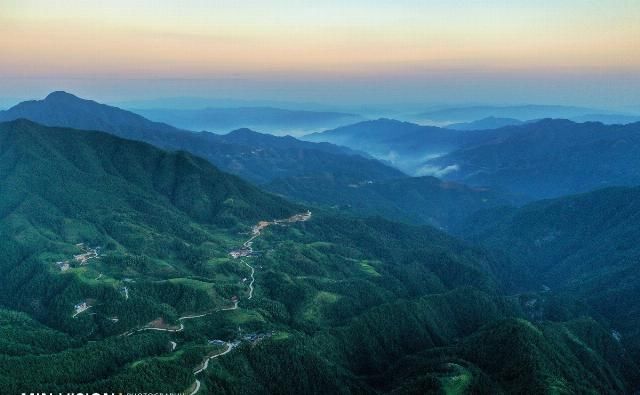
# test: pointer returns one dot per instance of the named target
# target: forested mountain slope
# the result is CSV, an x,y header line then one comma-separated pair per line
x,y
416,200
256,157
584,246
549,158
262,158
127,268
316,173
66,110
406,145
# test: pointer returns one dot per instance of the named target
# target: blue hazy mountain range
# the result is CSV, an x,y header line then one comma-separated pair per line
x,y
485,124
522,112
538,159
318,173
406,145
258,159
267,119
548,158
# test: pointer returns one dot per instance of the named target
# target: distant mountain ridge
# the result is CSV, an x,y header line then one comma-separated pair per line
x,y
485,124
274,120
254,156
320,173
523,112
608,119
549,158
64,109
404,144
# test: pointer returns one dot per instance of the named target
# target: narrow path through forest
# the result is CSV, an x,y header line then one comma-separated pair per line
x,y
245,251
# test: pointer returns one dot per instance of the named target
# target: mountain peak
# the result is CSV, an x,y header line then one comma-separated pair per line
x,y
243,132
61,96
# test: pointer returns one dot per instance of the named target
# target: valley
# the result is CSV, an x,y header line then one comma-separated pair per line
x,y
247,250
230,345
241,294
319,198
347,180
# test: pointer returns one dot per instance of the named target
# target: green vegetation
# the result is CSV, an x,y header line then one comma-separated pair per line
x,y
340,304
548,158
583,247
257,157
314,173
416,200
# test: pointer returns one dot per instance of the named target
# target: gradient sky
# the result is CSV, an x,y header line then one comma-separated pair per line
x,y
584,52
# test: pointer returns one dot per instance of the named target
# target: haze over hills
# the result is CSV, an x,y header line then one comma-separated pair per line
x,y
320,173
329,300
64,109
538,159
267,119
405,145
485,124
259,158
549,158
200,102
523,112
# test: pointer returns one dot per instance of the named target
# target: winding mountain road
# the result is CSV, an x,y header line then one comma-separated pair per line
x,y
246,251
195,391
253,279
205,365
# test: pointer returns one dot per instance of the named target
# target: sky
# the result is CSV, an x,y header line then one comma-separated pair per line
x,y
581,52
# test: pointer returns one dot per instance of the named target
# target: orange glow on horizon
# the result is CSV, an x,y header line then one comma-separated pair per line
x,y
36,44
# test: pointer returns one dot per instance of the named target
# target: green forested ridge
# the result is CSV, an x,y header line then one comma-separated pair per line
x,y
417,200
584,246
539,159
549,158
407,145
254,156
341,304
314,173
152,212
382,136
134,172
